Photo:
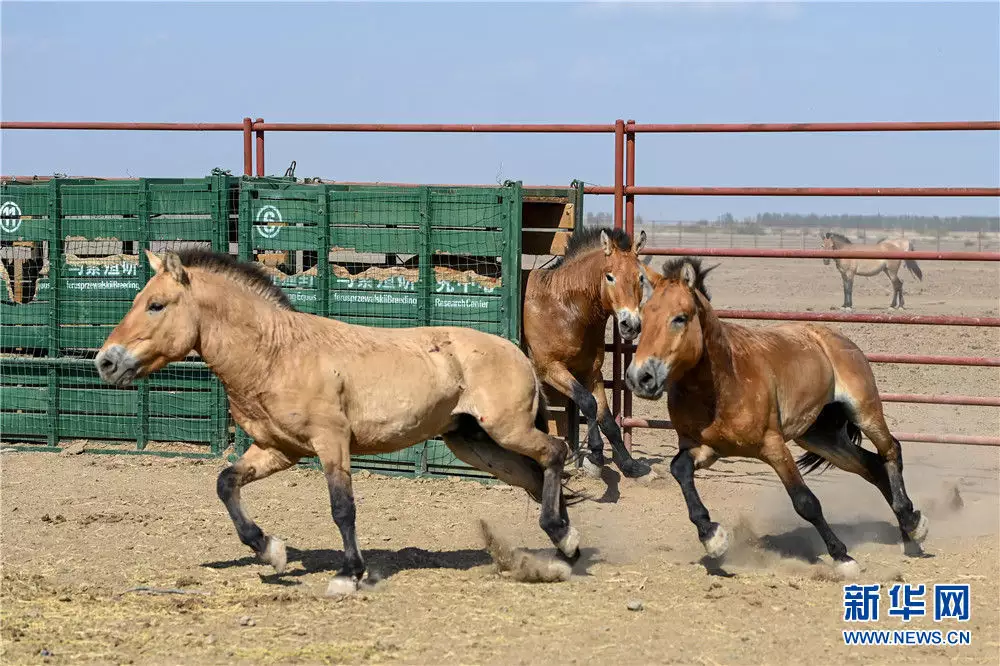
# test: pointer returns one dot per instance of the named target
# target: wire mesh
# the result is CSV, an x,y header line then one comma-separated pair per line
x,y
88,244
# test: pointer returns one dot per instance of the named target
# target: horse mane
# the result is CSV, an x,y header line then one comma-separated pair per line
x,y
672,271
250,275
839,237
583,239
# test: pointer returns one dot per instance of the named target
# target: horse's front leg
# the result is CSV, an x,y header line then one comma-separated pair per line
x,y
560,378
621,456
257,463
848,291
334,450
713,536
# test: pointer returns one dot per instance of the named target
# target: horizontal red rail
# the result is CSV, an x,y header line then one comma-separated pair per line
x,y
814,127
918,398
564,128
818,191
916,255
910,359
147,127
970,440
928,320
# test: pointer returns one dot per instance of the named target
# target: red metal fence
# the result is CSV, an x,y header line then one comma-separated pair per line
x,y
625,190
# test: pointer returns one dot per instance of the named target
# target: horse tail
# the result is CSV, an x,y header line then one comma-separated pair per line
x,y
840,434
912,265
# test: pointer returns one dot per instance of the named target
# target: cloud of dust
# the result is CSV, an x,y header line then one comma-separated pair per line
x,y
524,566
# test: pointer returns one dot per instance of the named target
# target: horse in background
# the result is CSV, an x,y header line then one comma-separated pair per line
x,y
565,316
303,385
738,391
868,267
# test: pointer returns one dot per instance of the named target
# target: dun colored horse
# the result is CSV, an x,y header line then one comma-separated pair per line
x,y
736,391
566,311
303,385
868,267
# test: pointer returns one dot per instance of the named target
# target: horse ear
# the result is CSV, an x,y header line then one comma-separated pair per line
x,y
154,262
646,260
689,275
606,243
640,242
172,264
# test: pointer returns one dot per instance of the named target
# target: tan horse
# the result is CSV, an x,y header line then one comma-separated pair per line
x,y
566,311
736,391
868,267
303,385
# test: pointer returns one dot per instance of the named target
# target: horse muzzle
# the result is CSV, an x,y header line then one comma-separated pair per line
x,y
629,325
647,380
117,366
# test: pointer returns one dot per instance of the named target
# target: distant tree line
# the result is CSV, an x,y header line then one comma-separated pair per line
x,y
918,223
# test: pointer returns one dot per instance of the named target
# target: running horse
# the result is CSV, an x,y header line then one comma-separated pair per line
x,y
868,267
303,385
565,316
737,391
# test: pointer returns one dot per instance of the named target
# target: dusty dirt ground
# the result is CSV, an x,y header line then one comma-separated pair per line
x,y
79,531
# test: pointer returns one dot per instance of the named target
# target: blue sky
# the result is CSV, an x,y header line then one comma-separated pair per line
x,y
493,62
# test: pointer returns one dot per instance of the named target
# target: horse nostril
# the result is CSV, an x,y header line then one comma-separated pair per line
x,y
646,380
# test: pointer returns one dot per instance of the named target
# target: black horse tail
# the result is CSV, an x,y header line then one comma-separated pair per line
x,y
914,268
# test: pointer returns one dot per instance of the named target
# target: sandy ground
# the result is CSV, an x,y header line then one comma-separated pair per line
x,y
79,531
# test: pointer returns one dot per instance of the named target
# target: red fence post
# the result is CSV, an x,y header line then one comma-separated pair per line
x,y
247,147
260,148
616,357
630,230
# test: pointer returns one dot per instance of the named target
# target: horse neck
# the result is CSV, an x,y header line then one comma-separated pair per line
x,y
580,279
240,336
715,367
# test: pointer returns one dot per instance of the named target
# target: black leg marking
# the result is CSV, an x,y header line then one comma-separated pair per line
x,y
682,467
227,486
628,465
342,507
595,444
807,505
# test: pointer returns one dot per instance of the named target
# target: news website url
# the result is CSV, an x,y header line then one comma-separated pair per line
x,y
907,637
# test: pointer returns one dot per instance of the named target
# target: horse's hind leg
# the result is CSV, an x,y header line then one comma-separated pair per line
x,y
483,453
257,463
807,505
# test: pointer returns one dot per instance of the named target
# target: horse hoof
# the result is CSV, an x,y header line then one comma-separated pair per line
x,y
636,469
717,544
590,469
341,586
275,555
919,532
569,545
847,569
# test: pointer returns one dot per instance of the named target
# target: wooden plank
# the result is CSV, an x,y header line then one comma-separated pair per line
x,y
548,216
24,314
544,242
76,426
28,399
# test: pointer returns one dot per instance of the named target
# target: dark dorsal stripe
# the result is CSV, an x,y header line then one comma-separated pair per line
x,y
249,274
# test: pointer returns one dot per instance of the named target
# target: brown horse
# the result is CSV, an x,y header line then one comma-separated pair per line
x,y
736,391
868,267
303,385
566,311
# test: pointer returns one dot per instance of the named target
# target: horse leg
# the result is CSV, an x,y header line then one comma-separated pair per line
x,y
834,444
713,536
776,454
848,291
895,289
257,463
334,453
628,465
549,452
560,378
911,522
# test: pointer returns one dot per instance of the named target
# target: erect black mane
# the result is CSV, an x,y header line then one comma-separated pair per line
x,y
672,271
250,274
583,239
839,237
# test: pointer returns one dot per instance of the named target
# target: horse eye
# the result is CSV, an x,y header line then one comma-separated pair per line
x,y
156,307
609,277
679,320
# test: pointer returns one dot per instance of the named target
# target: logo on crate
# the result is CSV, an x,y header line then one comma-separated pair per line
x,y
10,217
268,222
